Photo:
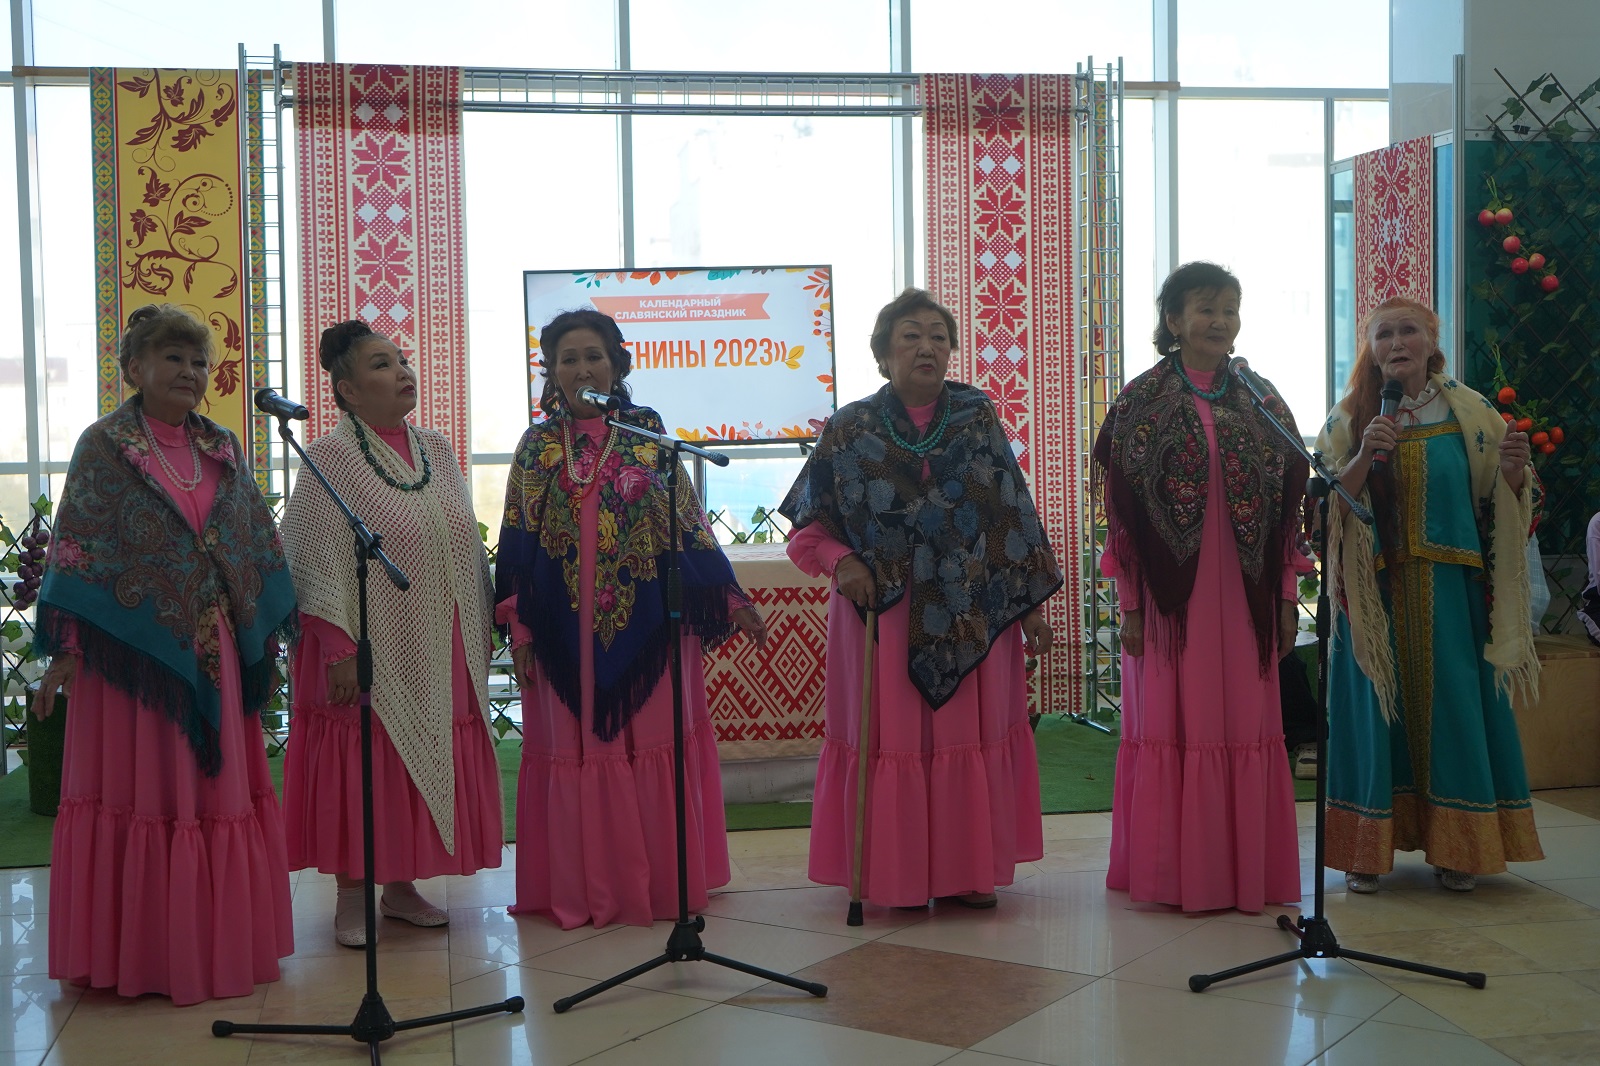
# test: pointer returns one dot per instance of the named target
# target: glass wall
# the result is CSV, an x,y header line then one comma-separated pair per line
x,y
1244,176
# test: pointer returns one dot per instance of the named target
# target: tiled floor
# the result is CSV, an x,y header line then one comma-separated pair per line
x,y
1061,972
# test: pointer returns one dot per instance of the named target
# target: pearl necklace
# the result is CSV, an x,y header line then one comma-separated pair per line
x,y
567,448
181,483
1210,397
927,443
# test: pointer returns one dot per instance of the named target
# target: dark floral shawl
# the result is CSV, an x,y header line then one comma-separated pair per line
x,y
967,543
1152,464
141,592
537,561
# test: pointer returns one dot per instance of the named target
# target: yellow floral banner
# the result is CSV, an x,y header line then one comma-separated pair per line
x,y
169,221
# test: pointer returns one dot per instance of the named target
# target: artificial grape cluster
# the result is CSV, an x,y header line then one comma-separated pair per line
x,y
30,571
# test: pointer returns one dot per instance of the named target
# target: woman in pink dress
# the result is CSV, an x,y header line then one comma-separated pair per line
x,y
164,601
435,780
1205,555
914,504
578,580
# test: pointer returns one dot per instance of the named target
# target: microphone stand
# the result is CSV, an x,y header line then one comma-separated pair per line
x,y
373,1023
1316,936
683,943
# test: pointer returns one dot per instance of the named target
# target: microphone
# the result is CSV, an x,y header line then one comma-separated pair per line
x,y
600,401
1391,403
1239,367
273,404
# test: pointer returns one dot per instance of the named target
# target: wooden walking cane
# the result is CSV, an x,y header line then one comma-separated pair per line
x,y
861,769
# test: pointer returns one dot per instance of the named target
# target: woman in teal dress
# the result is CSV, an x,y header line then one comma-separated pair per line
x,y
1431,627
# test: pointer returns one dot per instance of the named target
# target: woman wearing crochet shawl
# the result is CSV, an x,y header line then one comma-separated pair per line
x,y
913,502
579,584
435,780
1202,501
1431,626
164,600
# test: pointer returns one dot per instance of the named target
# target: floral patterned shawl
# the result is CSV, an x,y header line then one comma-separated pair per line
x,y
1152,464
966,542
538,563
139,591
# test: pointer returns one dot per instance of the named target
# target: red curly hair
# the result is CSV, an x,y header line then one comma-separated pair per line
x,y
1361,399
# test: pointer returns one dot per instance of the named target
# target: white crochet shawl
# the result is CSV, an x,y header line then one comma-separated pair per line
x,y
433,536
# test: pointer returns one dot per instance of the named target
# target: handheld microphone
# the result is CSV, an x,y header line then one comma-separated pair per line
x,y
273,404
1391,403
600,401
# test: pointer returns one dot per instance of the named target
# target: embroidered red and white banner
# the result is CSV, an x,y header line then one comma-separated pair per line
x,y
381,231
1394,224
1000,256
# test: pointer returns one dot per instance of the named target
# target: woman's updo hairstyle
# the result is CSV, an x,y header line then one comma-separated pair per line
x,y
336,352
155,324
1198,276
551,399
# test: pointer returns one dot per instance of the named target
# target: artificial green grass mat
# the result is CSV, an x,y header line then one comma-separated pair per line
x,y
1075,771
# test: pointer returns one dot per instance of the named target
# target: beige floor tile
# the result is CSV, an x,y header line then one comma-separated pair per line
x,y
37,1007
1039,931
493,934
729,1034
1452,949
979,1058
150,1032
465,968
21,1058
1305,813
540,1036
769,844
1570,851
1351,914
930,996
314,938
486,888
1584,801
1379,1044
1085,892
1550,813
341,979
821,909
761,873
1503,903
24,944
1088,853
1585,890
1552,1049
1325,985
1512,1005
1128,1022
1551,945
1406,1011
1586,978
404,1047
1075,827
766,946
25,890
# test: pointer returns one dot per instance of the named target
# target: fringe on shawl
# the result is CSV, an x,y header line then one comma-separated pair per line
x,y
140,677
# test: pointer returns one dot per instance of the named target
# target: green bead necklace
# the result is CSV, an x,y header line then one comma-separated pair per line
x,y
377,468
927,443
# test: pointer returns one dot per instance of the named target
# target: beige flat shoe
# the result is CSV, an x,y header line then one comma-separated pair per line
x,y
421,912
350,918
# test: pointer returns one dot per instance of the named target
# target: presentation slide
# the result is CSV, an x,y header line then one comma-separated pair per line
x,y
725,354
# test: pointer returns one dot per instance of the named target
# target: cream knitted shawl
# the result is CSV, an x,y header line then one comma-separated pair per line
x,y
1503,518
433,536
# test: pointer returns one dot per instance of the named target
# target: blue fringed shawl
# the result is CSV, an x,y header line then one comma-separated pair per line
x,y
537,562
139,591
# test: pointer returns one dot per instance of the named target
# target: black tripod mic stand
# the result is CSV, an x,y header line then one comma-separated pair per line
x,y
373,1023
683,943
1317,940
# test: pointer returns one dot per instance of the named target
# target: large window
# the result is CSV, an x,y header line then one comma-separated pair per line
x,y
172,33
756,35
1030,36
480,33
1273,43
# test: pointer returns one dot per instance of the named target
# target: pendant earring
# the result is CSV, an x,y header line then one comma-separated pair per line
x,y
1175,347
1230,349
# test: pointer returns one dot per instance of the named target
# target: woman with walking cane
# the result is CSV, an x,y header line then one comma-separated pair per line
x,y
914,504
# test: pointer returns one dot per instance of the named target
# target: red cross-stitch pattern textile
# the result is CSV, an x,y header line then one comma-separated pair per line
x,y
1394,224
767,703
381,231
999,172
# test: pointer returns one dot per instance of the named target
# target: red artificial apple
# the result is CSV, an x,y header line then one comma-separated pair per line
x,y
1536,261
1549,283
1519,265
1512,244
1503,216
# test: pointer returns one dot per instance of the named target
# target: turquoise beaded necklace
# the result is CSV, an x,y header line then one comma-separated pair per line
x,y
927,443
1210,397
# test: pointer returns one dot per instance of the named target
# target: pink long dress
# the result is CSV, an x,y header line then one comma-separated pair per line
x,y
165,880
1202,813
596,829
322,769
953,793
